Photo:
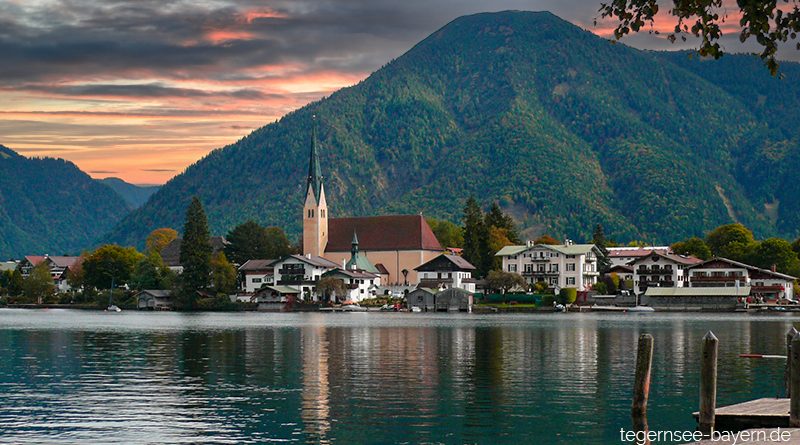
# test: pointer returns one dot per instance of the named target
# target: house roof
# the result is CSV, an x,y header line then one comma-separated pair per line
x,y
279,289
621,268
381,233
64,261
171,253
680,259
745,266
566,249
350,273
311,259
382,269
158,293
35,259
433,265
617,252
257,265
741,291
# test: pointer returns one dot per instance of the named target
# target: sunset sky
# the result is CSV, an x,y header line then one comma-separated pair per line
x,y
141,89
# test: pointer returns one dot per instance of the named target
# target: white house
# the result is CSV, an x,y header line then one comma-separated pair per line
x,y
359,284
722,272
560,266
256,273
59,268
301,272
621,256
446,271
661,270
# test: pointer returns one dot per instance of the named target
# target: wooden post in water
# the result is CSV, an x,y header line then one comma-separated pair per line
x,y
794,383
641,384
787,376
708,383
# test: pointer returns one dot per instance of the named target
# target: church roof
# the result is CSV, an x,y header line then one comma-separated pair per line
x,y
375,233
314,171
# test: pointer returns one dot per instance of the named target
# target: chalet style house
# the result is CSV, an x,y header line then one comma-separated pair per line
x,y
59,268
447,271
722,272
396,244
658,269
559,266
621,256
254,274
301,272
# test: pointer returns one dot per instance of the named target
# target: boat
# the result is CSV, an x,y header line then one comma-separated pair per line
x,y
559,308
354,307
640,309
111,306
416,309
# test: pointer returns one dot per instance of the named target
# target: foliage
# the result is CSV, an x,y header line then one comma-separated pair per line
x,y
39,284
599,240
546,239
448,234
505,281
330,287
158,239
499,220
476,237
561,127
541,287
567,295
732,241
223,274
776,252
218,303
764,20
250,241
15,283
195,255
693,246
548,300
110,263
151,273
601,288
49,205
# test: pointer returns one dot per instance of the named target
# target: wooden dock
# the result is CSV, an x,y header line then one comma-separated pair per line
x,y
761,436
758,413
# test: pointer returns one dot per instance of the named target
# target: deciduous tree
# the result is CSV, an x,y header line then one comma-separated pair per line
x,y
160,238
692,246
250,241
110,263
223,274
505,281
39,284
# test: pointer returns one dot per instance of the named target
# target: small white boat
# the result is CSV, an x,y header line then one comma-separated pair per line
x,y
640,309
113,308
559,308
353,308
416,309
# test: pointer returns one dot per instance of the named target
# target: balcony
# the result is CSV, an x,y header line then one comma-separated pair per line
x,y
654,271
540,258
772,288
533,273
716,279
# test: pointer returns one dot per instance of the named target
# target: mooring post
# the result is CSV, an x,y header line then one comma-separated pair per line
x,y
641,384
794,383
708,383
787,375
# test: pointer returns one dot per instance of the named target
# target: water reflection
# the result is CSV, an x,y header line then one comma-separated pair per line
x,y
71,377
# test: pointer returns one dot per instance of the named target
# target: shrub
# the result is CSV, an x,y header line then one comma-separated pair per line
x,y
568,295
548,300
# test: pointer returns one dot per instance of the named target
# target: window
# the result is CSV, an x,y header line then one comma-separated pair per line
x,y
512,267
571,280
256,280
570,267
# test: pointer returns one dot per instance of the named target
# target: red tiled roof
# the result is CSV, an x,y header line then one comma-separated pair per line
x,y
390,232
35,259
640,252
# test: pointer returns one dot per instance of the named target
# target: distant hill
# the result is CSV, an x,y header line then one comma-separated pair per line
x,y
49,206
564,128
134,195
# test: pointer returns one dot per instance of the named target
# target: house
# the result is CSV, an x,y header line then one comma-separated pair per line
x,y
454,300
256,273
275,298
620,256
8,266
423,298
154,300
397,243
59,268
446,271
302,272
624,272
722,272
661,270
359,284
171,253
559,266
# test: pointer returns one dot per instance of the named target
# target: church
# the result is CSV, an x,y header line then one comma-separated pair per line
x,y
395,244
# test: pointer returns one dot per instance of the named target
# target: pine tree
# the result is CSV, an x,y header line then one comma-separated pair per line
x,y
599,240
497,218
195,254
476,237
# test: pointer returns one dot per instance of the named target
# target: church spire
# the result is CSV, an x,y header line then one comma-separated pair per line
x,y
314,172
354,244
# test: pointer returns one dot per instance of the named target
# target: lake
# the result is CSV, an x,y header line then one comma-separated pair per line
x,y
348,378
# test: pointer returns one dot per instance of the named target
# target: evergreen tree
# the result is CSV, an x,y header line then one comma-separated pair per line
x,y
476,237
599,240
250,241
15,283
497,218
195,254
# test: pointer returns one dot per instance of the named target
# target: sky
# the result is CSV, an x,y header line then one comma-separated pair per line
x,y
141,89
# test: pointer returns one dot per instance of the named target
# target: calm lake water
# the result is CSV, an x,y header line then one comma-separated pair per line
x,y
77,376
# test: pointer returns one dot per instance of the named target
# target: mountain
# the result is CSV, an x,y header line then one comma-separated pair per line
x,y
50,206
134,195
564,128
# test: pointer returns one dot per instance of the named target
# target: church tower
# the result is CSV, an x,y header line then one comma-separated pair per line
x,y
315,210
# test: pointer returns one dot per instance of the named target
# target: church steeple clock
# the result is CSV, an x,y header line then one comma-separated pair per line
x,y
315,210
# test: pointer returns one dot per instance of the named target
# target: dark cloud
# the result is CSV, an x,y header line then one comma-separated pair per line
x,y
158,170
103,172
144,90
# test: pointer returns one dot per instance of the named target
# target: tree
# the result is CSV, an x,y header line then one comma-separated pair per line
x,y
223,274
692,246
160,238
448,234
546,239
331,287
599,240
476,237
496,218
15,283
250,241
110,263
151,273
505,281
567,295
39,284
195,254
76,278
764,20
776,252
732,241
